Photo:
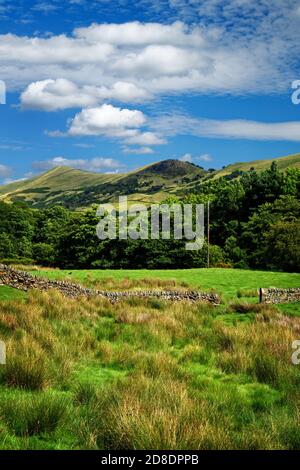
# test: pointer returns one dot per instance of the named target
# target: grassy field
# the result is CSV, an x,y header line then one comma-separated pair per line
x,y
227,282
8,293
148,374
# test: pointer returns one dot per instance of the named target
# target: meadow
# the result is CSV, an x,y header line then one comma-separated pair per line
x,y
225,281
148,374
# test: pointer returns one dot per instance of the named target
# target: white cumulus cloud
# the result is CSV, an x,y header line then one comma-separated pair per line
x,y
145,59
110,121
106,120
53,95
140,34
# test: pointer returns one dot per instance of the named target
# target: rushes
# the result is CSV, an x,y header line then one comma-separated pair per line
x,y
30,415
25,366
127,284
144,413
144,375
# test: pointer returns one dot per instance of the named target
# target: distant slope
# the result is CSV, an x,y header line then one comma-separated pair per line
x,y
53,186
259,165
78,189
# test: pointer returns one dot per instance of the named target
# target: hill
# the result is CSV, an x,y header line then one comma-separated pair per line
x,y
283,163
77,189
54,186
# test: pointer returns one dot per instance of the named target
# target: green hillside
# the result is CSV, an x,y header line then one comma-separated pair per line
x,y
77,189
259,165
51,186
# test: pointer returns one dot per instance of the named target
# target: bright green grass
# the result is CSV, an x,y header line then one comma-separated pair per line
x,y
8,293
292,309
60,440
96,374
225,281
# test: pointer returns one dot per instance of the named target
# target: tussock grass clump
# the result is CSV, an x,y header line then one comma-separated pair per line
x,y
85,392
133,317
266,369
34,414
43,339
158,365
242,307
25,374
290,432
163,412
26,365
156,304
144,413
195,353
262,350
55,306
8,322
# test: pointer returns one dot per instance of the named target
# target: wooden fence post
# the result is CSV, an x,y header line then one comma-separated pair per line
x,y
262,294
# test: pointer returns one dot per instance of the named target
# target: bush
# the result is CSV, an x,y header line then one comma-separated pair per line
x,y
241,265
223,265
199,257
44,253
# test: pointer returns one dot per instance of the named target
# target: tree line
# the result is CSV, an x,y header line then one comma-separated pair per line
x,y
255,223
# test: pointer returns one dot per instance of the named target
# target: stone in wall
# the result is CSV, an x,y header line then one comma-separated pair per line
x,y
278,296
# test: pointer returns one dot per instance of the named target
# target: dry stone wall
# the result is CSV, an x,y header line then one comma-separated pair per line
x,y
24,281
279,296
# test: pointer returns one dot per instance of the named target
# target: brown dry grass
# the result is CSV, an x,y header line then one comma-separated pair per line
x,y
162,376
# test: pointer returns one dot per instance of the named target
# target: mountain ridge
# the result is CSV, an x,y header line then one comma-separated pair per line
x,y
77,189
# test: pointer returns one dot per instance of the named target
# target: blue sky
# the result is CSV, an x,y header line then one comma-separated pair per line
x,y
109,86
